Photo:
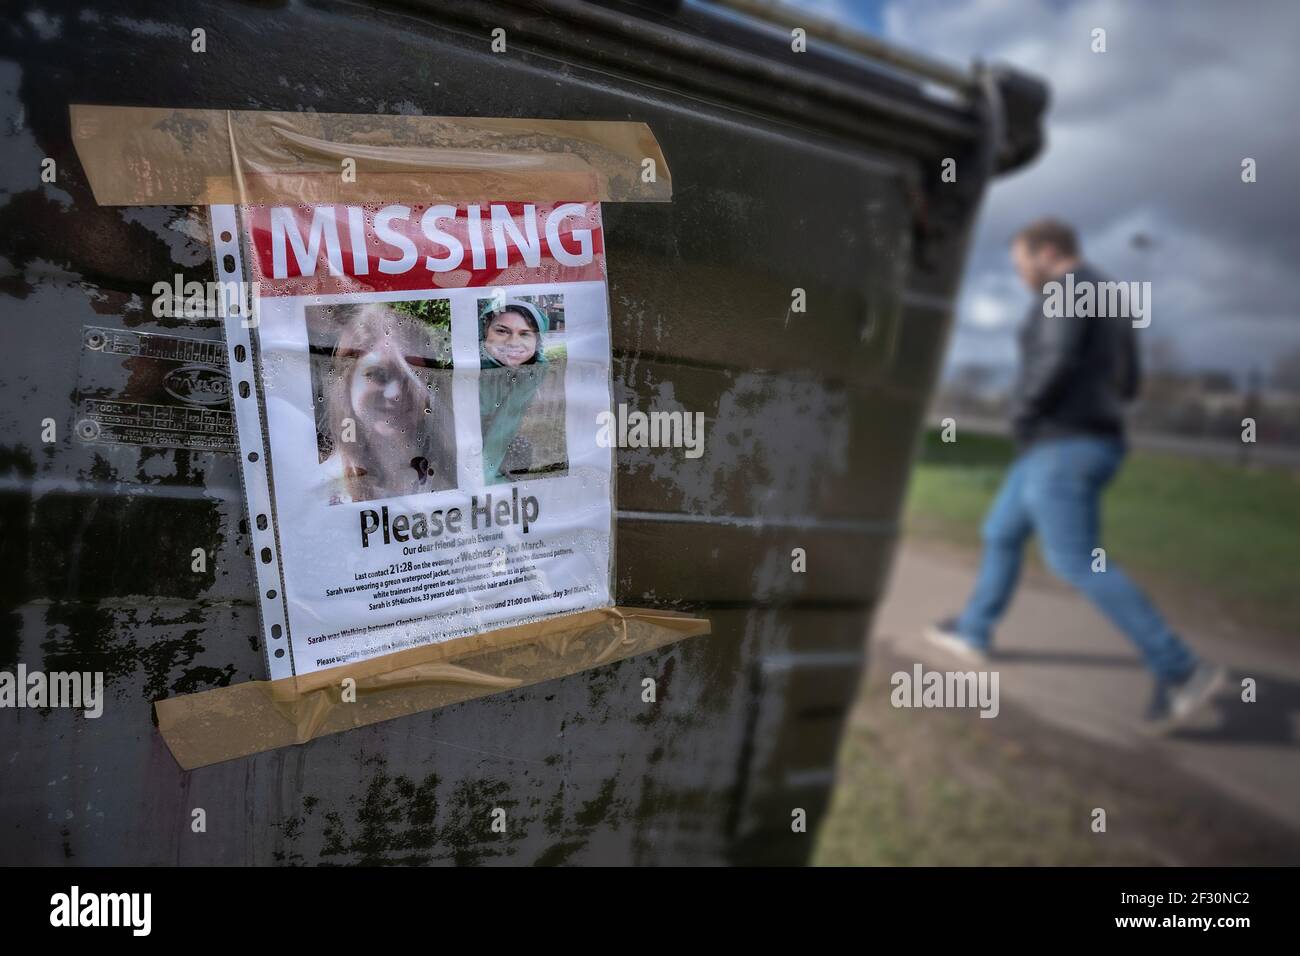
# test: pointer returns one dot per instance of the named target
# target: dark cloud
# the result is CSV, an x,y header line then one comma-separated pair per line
x,y
1147,138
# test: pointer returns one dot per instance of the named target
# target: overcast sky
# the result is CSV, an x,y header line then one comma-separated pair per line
x,y
1148,138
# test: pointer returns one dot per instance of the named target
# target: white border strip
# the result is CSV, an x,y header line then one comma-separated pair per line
x,y
227,255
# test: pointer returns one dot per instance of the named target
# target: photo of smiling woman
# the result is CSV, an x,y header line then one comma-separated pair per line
x,y
521,387
385,425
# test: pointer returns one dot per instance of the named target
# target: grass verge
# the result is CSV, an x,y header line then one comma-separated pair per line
x,y
1193,530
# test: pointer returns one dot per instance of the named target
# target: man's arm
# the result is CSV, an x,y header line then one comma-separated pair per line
x,y
1052,356
1131,383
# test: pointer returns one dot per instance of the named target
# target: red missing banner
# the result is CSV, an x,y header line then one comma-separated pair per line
x,y
319,250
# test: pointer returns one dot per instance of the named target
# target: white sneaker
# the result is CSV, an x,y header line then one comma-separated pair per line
x,y
1172,705
944,634
1199,689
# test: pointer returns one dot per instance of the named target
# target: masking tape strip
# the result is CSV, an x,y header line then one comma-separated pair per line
x,y
255,716
147,156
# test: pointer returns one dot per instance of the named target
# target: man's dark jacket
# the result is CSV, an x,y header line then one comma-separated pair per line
x,y
1075,373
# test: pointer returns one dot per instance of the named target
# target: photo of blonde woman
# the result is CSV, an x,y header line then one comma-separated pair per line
x,y
385,422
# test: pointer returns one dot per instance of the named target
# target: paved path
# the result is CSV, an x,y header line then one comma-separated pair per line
x,y
1060,660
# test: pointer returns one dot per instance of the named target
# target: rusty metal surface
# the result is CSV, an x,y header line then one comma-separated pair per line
x,y
811,418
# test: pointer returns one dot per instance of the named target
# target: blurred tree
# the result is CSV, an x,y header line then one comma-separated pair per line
x,y
436,312
1286,372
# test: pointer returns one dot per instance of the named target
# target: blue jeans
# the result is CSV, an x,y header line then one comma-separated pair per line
x,y
1055,489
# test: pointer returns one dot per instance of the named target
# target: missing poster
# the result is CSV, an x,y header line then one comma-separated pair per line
x,y
429,380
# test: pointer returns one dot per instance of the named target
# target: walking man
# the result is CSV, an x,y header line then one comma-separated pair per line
x,y
1075,375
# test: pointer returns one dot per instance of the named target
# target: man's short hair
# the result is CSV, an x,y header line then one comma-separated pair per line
x,y
1051,232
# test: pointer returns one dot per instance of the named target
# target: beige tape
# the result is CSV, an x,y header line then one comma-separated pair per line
x,y
150,156
248,718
